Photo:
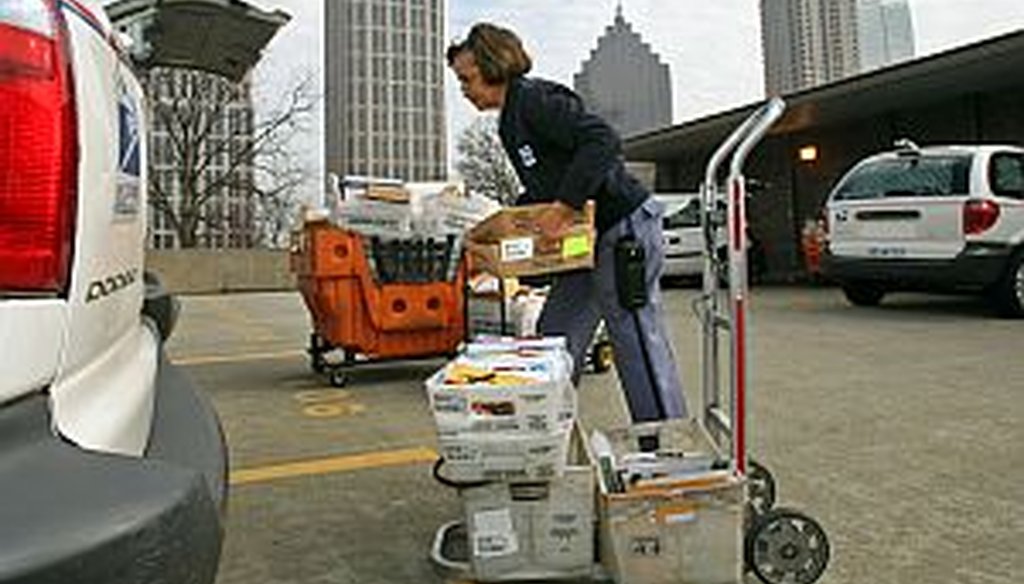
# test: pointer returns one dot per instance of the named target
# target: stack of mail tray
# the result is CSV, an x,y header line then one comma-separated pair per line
x,y
504,410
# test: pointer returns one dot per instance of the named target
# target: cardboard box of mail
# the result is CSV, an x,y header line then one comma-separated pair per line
x,y
507,243
686,526
536,530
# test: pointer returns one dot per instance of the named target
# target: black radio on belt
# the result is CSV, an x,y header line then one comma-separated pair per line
x,y
630,282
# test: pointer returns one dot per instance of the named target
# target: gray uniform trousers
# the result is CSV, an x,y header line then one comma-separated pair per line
x,y
644,358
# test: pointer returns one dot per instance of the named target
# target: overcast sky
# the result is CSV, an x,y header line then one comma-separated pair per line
x,y
712,47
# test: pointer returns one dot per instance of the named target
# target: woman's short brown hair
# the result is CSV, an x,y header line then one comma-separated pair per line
x,y
498,53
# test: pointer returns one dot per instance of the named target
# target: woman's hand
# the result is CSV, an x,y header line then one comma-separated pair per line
x,y
555,221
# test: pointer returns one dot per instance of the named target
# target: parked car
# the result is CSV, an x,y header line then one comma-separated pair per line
x,y
681,232
683,237
939,218
112,464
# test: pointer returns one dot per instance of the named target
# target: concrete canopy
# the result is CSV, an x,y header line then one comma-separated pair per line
x,y
225,37
986,66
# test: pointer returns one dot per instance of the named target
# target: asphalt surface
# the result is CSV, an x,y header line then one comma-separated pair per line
x,y
898,428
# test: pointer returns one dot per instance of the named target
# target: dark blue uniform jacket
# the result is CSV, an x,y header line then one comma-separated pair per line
x,y
563,153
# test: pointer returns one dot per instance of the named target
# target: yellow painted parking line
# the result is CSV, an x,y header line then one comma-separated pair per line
x,y
335,464
237,358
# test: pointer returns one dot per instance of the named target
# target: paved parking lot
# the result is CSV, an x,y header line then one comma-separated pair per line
x,y
898,427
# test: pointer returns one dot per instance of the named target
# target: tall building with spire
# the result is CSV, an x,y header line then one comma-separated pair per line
x,y
384,70
807,43
885,33
625,82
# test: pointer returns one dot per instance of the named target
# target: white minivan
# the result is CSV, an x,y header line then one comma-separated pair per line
x,y
937,218
112,464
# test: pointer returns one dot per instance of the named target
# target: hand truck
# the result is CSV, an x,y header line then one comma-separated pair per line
x,y
779,545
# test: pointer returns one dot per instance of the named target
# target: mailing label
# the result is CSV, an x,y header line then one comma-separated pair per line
x,y
460,453
575,246
537,423
518,249
449,402
680,517
494,535
680,513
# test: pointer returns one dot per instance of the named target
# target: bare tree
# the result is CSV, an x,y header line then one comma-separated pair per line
x,y
283,164
215,168
482,162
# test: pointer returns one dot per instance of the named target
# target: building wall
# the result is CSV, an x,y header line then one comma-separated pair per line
x,y
200,271
625,82
223,110
384,62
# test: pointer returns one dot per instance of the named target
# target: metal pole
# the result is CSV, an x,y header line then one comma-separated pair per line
x,y
741,140
737,210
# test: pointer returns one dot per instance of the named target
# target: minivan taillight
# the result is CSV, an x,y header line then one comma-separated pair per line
x,y
38,149
979,216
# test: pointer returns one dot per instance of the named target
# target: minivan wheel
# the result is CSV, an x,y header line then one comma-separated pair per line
x,y
1009,292
863,293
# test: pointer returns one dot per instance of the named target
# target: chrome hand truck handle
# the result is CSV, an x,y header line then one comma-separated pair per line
x,y
729,426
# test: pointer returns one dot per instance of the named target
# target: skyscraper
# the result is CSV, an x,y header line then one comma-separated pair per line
x,y
200,122
624,82
384,63
885,33
807,43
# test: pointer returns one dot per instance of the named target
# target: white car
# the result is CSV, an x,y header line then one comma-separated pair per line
x,y
940,218
112,465
682,235
683,239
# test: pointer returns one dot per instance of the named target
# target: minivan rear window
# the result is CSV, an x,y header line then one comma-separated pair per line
x,y
686,216
912,176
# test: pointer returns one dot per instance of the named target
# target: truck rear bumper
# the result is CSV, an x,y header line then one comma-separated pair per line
x,y
71,515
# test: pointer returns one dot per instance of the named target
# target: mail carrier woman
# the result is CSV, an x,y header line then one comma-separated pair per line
x,y
565,156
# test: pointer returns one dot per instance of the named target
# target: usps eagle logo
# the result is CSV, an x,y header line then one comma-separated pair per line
x,y
129,160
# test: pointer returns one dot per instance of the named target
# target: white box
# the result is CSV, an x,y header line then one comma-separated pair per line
x,y
369,217
535,530
504,410
543,404
485,315
517,346
505,456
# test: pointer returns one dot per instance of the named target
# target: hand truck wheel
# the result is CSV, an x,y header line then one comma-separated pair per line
x,y
784,545
760,488
316,363
316,351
